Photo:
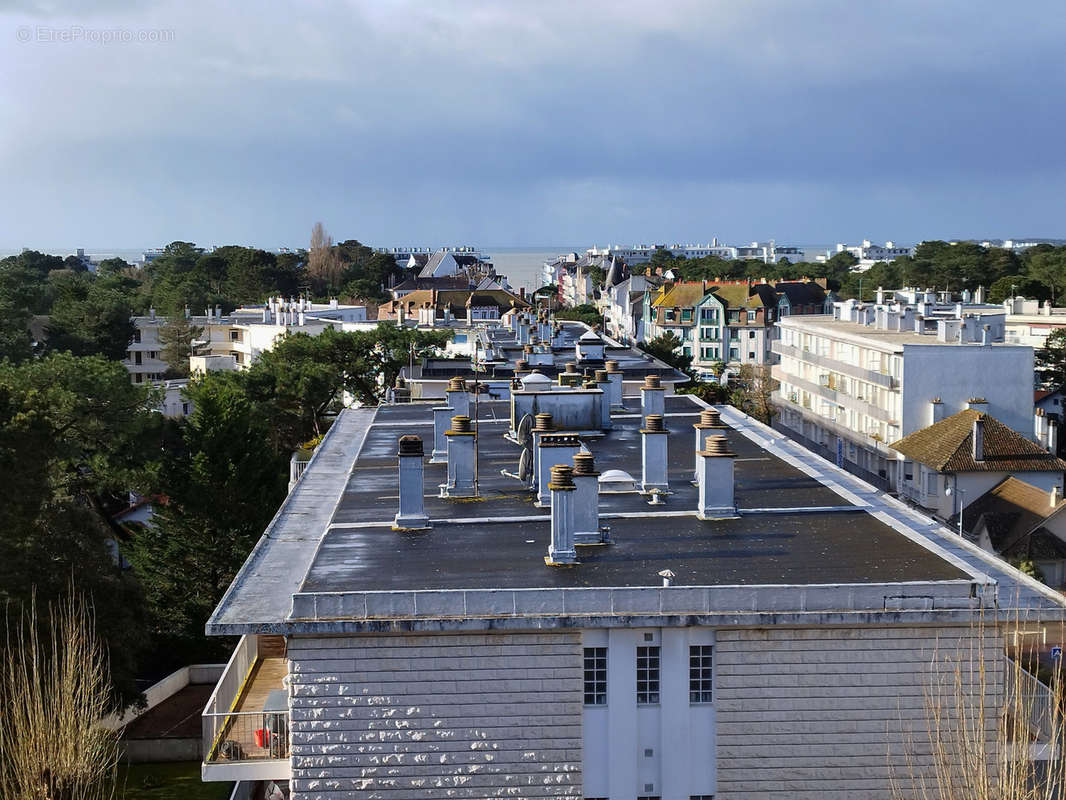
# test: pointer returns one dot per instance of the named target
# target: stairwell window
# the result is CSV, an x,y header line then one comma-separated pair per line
x,y
700,682
647,676
595,676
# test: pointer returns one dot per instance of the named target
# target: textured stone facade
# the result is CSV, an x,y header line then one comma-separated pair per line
x,y
436,716
832,713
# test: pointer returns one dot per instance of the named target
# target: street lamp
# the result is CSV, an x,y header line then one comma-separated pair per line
x,y
961,492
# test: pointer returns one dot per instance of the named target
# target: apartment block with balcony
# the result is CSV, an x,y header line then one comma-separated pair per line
x,y
852,383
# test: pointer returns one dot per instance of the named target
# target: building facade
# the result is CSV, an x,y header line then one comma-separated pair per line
x,y
852,384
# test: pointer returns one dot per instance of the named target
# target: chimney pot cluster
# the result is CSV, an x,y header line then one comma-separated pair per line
x,y
601,376
571,368
612,366
461,424
653,423
716,445
652,382
562,477
456,384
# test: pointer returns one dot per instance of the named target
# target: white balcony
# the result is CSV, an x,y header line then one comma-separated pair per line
x,y
246,719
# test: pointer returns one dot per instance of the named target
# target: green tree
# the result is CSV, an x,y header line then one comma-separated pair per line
x,y
88,317
1051,359
222,484
1048,266
668,348
586,313
74,434
1017,284
176,337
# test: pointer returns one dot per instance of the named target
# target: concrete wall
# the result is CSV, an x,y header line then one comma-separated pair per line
x,y
433,716
1001,374
824,713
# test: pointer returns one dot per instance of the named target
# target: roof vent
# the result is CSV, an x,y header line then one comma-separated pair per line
x,y
543,422
456,384
652,382
616,481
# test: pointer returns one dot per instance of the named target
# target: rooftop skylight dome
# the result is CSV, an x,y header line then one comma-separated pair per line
x,y
616,481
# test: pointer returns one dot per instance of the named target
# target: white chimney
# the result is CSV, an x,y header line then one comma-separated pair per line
x,y
653,446
266,314
603,383
151,312
412,512
979,439
1054,496
300,319
586,500
458,397
542,424
561,551
716,499
334,303
652,396
1052,436
986,339
936,410
442,417
977,404
552,449
460,444
615,375
218,312
710,420
188,313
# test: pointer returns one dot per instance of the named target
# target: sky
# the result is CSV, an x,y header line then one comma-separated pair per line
x,y
512,123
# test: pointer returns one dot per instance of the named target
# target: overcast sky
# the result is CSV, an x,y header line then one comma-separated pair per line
x,y
512,123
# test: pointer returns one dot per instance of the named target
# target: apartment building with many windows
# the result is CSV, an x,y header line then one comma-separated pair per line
x,y
852,383
731,322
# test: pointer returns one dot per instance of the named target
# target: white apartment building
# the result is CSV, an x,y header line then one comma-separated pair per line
x,y
243,333
1030,321
869,253
855,382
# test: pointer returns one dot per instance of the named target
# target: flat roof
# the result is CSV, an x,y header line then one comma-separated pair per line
x,y
825,323
806,532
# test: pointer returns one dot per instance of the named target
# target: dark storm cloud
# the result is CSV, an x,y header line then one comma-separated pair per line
x,y
533,122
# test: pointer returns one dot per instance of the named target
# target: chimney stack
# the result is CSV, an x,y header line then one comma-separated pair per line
x,y
458,397
936,410
603,383
615,375
412,513
654,450
460,438
652,396
542,424
716,499
710,420
552,449
561,551
986,339
586,500
979,439
1054,496
442,417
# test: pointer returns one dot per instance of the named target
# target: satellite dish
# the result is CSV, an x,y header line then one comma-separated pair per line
x,y
525,464
525,431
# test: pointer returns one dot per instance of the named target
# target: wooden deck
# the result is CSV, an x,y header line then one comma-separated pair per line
x,y
266,676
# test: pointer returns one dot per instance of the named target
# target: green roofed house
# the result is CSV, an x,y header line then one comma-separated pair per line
x,y
948,465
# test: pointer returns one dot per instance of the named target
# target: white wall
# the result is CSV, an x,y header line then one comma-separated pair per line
x,y
618,736
1002,374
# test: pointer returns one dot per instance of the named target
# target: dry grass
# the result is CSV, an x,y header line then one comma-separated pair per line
x,y
982,723
53,691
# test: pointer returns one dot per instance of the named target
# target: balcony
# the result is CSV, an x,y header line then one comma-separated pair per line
x,y
837,396
870,376
245,723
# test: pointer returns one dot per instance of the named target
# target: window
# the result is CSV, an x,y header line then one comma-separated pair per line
x,y
699,673
701,797
595,676
647,675
137,335
751,316
137,357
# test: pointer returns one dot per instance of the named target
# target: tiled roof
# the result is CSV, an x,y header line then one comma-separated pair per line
x,y
947,446
740,295
1013,513
801,293
683,295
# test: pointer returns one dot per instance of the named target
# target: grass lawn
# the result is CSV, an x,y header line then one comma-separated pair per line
x,y
168,781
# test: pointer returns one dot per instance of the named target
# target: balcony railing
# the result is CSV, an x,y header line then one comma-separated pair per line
x,y
245,723
1030,699
869,375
